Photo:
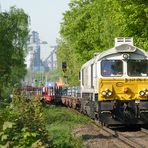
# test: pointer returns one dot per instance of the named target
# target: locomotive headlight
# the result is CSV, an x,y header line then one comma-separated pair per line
x,y
125,56
146,93
104,93
141,93
109,93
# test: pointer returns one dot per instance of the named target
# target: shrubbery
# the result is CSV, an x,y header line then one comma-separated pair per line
x,y
27,124
24,124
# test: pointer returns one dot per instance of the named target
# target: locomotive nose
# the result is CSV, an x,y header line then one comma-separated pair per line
x,y
123,89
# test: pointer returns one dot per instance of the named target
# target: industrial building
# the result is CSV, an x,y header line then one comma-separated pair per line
x,y
33,57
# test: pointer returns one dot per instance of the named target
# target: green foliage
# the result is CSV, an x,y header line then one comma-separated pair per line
x,y
53,75
13,37
62,137
25,125
60,123
15,135
90,26
61,114
6,115
135,14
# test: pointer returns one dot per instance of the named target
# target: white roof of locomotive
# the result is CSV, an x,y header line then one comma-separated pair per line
x,y
116,50
122,45
88,62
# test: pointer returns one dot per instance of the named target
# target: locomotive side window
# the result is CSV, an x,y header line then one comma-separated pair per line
x,y
92,76
83,77
137,67
110,68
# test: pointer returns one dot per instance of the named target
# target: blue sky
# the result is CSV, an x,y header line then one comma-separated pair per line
x,y
46,15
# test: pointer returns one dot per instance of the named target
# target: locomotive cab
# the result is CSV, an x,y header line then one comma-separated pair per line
x,y
114,84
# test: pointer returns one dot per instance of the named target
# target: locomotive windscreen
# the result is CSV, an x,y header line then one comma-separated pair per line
x,y
137,67
111,68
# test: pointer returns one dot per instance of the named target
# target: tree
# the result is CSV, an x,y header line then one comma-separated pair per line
x,y
90,26
135,14
13,37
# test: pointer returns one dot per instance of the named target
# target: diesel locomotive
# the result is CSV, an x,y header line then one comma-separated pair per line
x,y
114,85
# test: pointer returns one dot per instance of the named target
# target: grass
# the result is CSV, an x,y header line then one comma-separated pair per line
x,y
60,122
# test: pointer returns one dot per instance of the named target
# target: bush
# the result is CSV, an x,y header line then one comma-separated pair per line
x,y
26,127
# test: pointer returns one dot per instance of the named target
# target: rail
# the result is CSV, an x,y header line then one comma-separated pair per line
x,y
122,138
144,131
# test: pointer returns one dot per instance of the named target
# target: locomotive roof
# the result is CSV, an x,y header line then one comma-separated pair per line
x,y
123,48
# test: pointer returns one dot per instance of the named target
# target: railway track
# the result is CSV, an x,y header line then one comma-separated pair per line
x,y
134,139
144,130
